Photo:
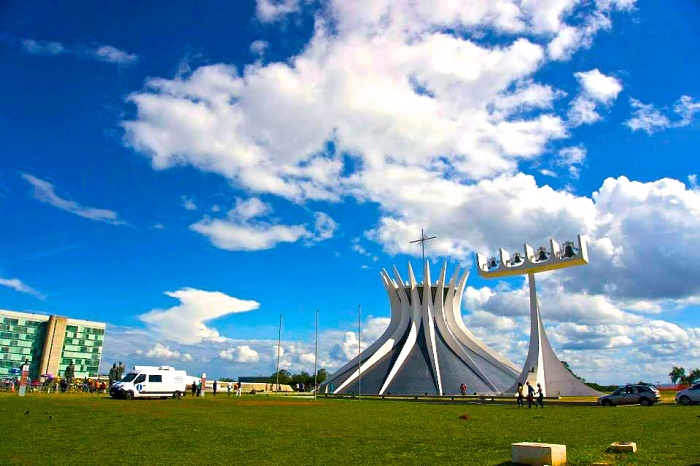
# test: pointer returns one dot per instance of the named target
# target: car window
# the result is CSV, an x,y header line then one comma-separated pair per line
x,y
618,391
140,378
644,389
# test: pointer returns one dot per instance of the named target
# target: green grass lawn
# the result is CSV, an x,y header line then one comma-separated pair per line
x,y
258,429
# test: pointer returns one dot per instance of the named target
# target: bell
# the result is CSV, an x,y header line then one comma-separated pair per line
x,y
541,255
569,251
516,259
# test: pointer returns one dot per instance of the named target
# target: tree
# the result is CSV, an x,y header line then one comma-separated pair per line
x,y
676,375
321,376
285,377
693,376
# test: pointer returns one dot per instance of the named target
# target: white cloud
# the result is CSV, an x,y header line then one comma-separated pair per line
x,y
646,118
160,351
258,47
244,230
389,84
109,54
572,158
596,89
188,203
686,107
104,53
240,237
569,39
186,322
242,354
599,87
45,192
272,10
17,285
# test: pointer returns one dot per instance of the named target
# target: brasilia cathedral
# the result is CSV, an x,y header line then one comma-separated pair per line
x,y
427,348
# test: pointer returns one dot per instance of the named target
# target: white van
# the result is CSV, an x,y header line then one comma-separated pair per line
x,y
150,381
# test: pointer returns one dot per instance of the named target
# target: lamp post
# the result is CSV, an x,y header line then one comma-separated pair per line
x,y
279,343
541,365
359,351
316,357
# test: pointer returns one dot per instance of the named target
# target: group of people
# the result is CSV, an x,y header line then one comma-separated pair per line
x,y
197,388
531,395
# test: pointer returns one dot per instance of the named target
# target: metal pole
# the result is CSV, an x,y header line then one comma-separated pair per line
x,y
279,342
316,359
359,351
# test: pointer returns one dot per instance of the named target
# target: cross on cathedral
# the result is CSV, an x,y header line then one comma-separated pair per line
x,y
422,241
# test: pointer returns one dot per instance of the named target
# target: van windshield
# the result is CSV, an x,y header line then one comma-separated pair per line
x,y
129,377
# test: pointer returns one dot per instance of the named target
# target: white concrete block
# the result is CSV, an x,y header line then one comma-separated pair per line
x,y
538,454
623,447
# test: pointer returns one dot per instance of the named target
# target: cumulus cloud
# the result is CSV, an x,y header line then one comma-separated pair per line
x,y
647,118
597,90
45,192
384,91
160,351
186,322
242,354
103,53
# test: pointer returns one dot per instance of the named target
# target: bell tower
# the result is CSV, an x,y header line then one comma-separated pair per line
x,y
541,365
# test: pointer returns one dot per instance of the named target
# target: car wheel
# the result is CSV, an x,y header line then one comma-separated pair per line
x,y
607,403
177,395
645,402
685,400
129,395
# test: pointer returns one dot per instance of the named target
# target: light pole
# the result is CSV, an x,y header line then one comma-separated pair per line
x,y
279,342
359,351
316,358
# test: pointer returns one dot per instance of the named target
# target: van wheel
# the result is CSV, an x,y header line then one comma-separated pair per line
x,y
129,395
607,403
177,395
645,402
685,400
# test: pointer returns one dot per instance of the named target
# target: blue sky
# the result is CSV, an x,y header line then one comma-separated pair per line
x,y
187,172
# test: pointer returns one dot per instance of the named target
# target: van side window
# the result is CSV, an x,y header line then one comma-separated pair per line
x,y
140,378
155,378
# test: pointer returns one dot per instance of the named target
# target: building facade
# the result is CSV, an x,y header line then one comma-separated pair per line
x,y
49,344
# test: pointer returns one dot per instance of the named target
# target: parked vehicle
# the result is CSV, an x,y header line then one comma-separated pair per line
x,y
645,395
150,381
689,395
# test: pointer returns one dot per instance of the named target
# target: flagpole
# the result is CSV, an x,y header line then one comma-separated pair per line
x,y
279,342
316,359
359,351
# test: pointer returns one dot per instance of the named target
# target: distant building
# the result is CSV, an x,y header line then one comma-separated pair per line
x,y
50,343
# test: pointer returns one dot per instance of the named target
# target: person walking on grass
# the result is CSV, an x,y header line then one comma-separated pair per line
x,y
215,386
540,396
194,388
530,394
520,395
228,388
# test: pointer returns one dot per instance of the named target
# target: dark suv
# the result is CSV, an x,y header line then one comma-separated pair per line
x,y
645,395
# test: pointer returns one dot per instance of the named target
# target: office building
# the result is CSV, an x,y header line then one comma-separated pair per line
x,y
49,344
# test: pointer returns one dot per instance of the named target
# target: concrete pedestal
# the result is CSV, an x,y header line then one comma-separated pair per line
x,y
538,454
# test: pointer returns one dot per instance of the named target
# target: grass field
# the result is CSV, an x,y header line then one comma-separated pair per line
x,y
74,429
